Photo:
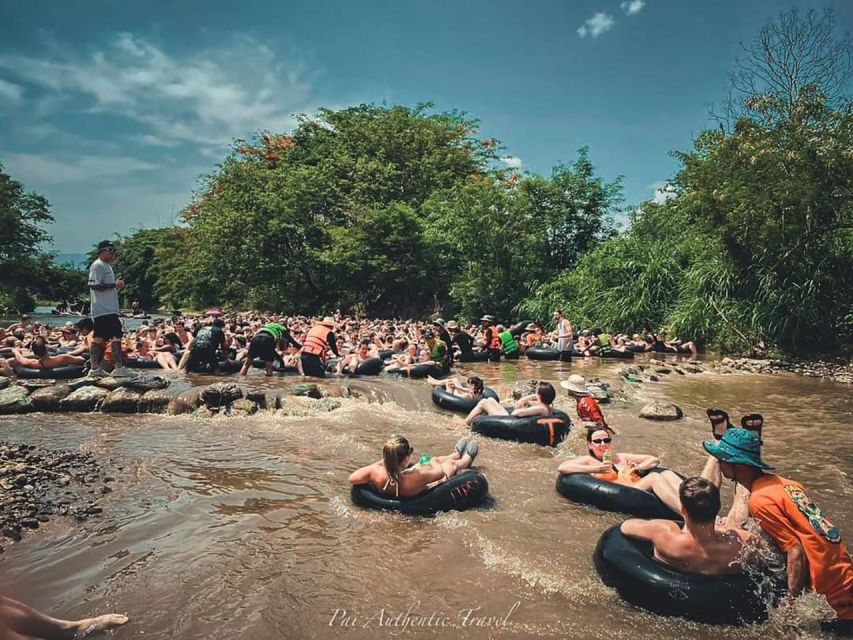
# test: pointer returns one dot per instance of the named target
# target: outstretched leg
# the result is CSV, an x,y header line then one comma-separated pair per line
x,y
26,621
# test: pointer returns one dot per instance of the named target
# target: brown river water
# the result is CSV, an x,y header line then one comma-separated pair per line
x,y
243,527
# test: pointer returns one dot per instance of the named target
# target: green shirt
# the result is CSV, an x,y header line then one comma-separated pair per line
x,y
274,329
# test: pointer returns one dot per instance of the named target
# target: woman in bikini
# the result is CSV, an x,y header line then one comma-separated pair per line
x,y
397,475
624,468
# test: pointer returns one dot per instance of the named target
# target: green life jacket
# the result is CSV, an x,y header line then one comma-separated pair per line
x,y
604,339
274,329
508,342
439,351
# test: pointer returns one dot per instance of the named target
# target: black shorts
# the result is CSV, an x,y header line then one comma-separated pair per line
x,y
262,346
202,360
312,366
108,327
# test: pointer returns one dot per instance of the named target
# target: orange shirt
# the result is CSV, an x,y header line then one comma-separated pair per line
x,y
786,513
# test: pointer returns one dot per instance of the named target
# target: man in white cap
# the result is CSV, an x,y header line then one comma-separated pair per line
x,y
588,408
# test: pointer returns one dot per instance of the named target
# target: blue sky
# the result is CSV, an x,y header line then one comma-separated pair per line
x,y
113,109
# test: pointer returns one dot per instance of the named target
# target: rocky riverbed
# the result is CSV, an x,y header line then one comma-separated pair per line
x,y
143,393
38,484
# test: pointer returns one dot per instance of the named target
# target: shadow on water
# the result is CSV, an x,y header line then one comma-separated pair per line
x,y
243,527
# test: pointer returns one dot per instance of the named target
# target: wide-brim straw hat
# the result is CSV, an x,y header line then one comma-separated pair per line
x,y
575,384
530,327
328,321
451,324
488,318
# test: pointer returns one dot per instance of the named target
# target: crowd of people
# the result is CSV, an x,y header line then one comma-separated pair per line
x,y
707,543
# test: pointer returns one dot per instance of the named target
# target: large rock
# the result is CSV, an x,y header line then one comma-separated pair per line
x,y
143,383
628,371
4,382
259,398
185,402
661,411
32,384
110,383
85,381
243,407
309,389
155,401
83,399
49,398
221,394
524,388
13,399
121,401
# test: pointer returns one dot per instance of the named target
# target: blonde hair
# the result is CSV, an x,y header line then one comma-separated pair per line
x,y
393,453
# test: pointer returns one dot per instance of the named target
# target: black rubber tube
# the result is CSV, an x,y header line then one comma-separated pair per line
x,y
519,327
629,566
59,373
583,488
548,432
417,371
463,491
542,353
446,400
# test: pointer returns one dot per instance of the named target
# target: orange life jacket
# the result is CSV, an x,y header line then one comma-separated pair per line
x,y
317,341
493,342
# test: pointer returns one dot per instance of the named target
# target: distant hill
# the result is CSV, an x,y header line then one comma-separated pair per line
x,y
77,259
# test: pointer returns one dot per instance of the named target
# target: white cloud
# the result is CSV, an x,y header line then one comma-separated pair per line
x,y
663,192
633,7
596,25
10,92
43,170
513,162
207,97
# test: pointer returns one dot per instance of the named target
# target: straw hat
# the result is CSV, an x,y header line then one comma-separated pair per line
x,y
530,327
488,318
575,384
328,321
451,324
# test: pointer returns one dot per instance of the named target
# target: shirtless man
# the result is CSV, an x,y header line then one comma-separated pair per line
x,y
43,360
699,547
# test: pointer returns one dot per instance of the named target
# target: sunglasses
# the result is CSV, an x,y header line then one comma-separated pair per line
x,y
602,441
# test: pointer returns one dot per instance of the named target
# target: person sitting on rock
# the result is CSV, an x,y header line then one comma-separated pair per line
x,y
536,404
43,360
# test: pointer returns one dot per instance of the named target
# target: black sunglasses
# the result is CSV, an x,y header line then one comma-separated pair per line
x,y
602,441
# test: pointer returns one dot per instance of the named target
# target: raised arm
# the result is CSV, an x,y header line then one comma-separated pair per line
x,y
583,464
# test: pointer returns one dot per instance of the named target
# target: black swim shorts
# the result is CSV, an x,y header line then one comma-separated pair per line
x,y
108,326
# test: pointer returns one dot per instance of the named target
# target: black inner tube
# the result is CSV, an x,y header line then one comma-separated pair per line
x,y
58,373
446,400
417,371
542,353
583,488
466,489
628,566
547,431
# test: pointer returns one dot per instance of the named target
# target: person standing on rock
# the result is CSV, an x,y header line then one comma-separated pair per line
x,y
264,344
105,310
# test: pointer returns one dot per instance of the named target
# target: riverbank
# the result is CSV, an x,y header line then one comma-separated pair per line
x,y
836,370
39,483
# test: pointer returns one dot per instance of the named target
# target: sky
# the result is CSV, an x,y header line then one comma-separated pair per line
x,y
113,110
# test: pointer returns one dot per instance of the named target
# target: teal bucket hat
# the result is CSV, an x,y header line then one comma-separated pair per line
x,y
738,446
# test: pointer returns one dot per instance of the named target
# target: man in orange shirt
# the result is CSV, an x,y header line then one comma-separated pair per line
x,y
816,555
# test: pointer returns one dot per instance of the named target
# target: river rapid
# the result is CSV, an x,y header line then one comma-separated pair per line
x,y
243,527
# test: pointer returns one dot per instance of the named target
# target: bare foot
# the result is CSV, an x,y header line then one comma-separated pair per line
x,y
101,623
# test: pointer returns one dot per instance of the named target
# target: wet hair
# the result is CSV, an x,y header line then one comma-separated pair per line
x,y
86,323
546,392
39,347
172,338
476,384
700,498
219,322
393,453
364,343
